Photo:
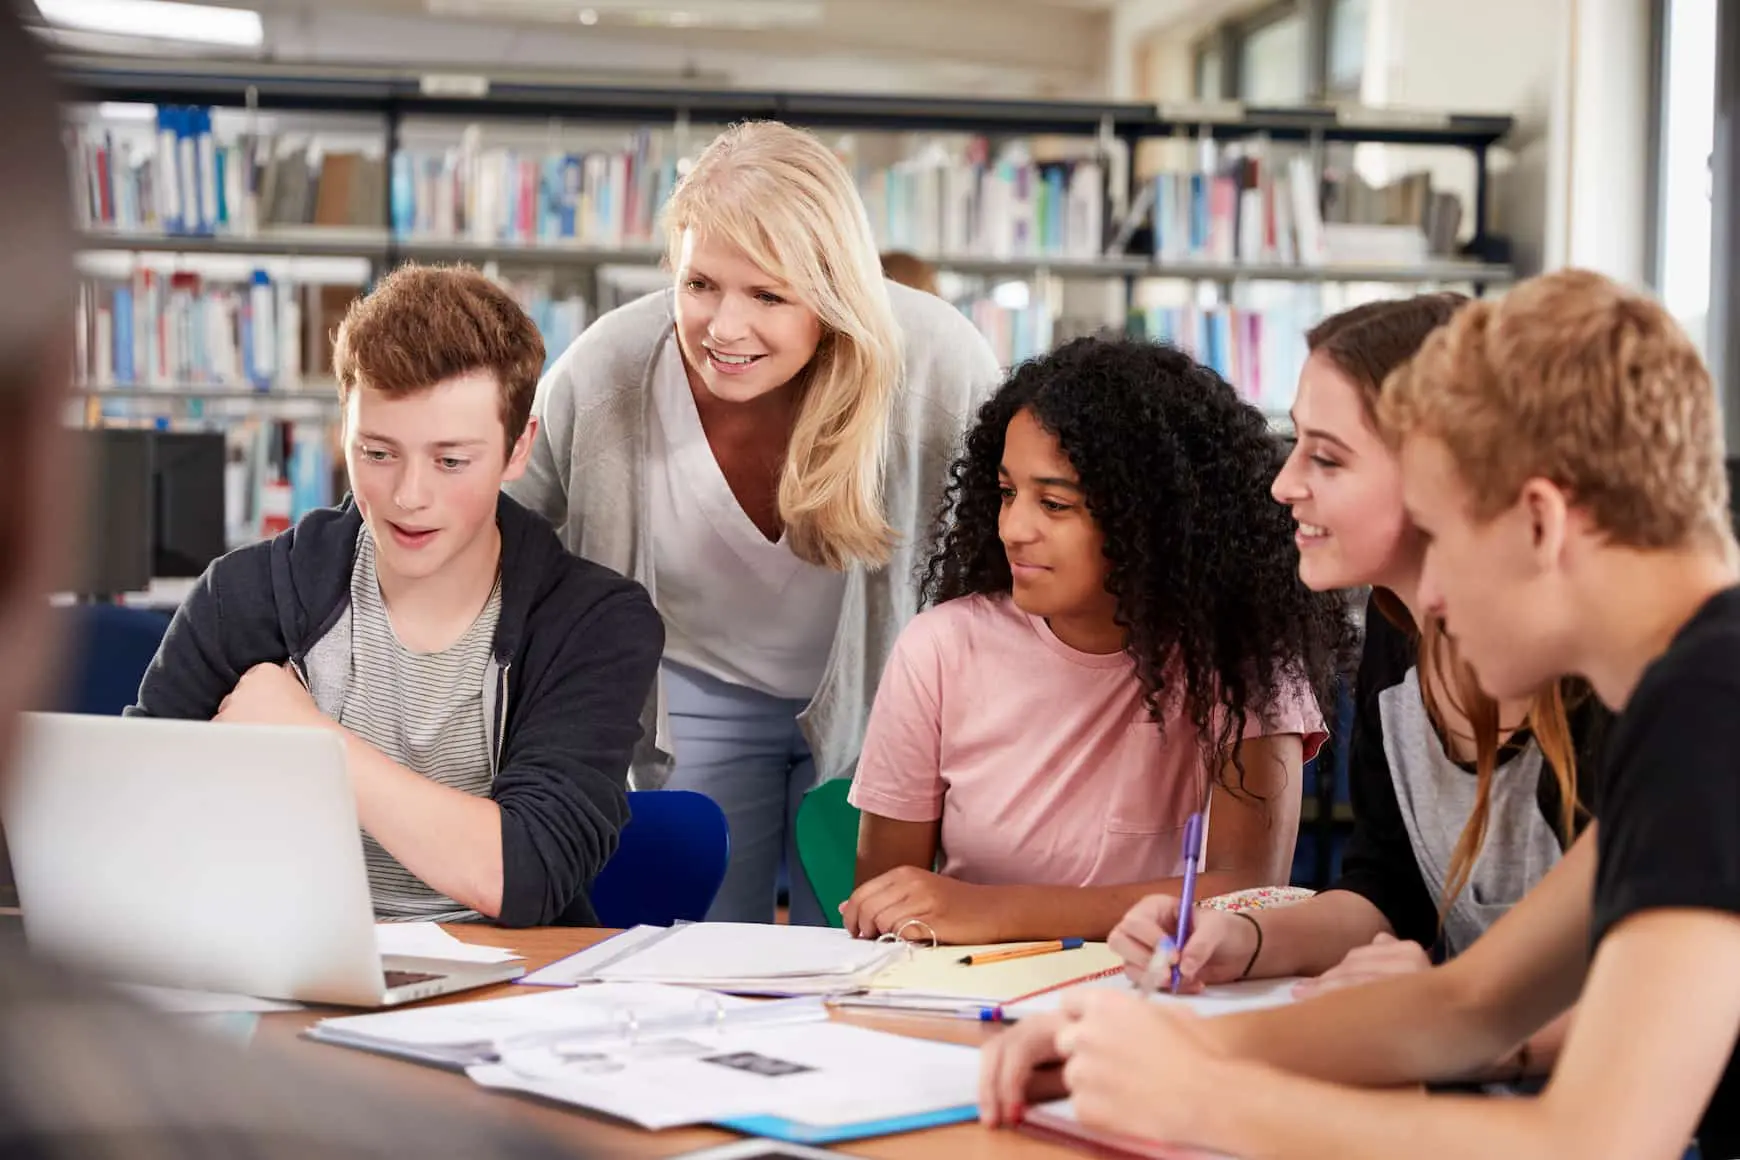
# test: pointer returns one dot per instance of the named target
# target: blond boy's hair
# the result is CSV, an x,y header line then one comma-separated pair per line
x,y
1573,378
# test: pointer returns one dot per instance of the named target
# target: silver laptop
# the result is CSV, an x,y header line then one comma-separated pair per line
x,y
207,857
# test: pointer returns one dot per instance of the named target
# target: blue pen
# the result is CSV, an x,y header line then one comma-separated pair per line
x,y
1187,897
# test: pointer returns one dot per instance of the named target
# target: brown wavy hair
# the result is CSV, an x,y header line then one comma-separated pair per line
x,y
1367,344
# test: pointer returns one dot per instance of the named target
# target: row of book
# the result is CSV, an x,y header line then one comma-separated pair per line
x,y
177,178
1259,351
1246,204
606,198
1246,214
1008,207
178,328
1016,333
277,471
185,330
1253,210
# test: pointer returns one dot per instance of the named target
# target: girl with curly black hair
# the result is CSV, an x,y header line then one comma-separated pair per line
x,y
1119,637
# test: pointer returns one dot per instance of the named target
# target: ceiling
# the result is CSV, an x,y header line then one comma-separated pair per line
x,y
1059,49
1042,48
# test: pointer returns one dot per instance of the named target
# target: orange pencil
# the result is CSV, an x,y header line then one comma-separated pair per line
x,y
1045,948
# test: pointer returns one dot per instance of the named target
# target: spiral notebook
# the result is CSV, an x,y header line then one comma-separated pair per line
x,y
933,978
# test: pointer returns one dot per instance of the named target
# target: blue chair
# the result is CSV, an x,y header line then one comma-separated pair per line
x,y
669,864
109,648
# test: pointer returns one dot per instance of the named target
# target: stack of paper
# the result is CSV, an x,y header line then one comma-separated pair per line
x,y
663,1056
425,940
736,958
462,1034
1221,999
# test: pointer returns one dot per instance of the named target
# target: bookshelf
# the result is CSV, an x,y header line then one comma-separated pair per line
x,y
1033,239
376,246
195,393
392,96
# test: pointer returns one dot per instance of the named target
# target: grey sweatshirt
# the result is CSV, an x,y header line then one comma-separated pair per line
x,y
587,475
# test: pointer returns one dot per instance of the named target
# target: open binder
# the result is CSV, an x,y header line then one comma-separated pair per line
x,y
736,958
905,970
662,1056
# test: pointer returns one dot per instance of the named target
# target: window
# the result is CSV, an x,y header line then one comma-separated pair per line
x,y
1272,62
1346,67
1209,74
1688,137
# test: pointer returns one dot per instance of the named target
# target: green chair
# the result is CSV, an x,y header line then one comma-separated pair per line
x,y
827,842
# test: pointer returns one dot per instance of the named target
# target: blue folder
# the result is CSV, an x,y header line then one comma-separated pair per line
x,y
797,1132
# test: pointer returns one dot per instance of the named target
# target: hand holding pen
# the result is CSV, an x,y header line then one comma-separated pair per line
x,y
1166,947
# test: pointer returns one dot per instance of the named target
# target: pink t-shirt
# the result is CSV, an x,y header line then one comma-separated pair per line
x,y
1040,760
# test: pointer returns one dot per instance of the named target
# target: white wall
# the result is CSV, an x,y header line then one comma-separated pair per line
x,y
893,46
1570,186
1607,125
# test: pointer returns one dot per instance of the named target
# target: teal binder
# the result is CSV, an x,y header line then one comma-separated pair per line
x,y
797,1132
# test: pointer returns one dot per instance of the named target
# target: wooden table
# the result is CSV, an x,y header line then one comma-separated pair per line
x,y
600,1137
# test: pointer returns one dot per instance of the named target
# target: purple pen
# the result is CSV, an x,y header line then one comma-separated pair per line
x,y
1187,897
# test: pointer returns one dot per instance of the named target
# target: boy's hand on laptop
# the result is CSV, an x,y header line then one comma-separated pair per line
x,y
954,911
270,695
1384,956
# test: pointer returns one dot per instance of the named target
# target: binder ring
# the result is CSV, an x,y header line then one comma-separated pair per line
x,y
630,1025
899,935
706,1000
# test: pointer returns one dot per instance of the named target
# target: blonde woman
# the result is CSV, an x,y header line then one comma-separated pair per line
x,y
763,446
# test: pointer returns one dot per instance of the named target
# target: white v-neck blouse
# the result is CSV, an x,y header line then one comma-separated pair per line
x,y
736,605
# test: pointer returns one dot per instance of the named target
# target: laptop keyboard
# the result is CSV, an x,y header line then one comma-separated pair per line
x,y
406,978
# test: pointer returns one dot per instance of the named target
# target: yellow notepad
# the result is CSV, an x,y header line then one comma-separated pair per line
x,y
938,973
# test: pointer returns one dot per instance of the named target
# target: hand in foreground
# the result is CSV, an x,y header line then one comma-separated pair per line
x,y
1219,947
1384,957
1138,1068
270,694
955,912
1014,1069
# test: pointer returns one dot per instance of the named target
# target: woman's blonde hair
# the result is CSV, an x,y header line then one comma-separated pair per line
x,y
787,203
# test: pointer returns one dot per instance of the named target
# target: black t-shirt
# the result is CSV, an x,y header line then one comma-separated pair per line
x,y
1378,862
1670,805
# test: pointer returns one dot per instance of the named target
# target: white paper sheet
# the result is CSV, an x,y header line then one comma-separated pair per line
x,y
1224,999
605,1006
425,940
174,1001
460,1034
715,951
823,1074
583,965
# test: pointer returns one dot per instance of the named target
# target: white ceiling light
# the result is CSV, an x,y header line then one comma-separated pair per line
x,y
736,14
161,19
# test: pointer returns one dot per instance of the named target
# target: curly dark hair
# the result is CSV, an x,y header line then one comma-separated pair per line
x,y
1176,470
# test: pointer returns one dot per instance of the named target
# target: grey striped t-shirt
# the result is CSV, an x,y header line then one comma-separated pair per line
x,y
423,710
